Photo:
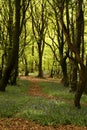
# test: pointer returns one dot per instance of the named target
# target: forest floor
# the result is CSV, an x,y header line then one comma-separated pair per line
x,y
21,124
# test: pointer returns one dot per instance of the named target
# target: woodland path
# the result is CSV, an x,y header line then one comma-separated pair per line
x,y
20,124
35,90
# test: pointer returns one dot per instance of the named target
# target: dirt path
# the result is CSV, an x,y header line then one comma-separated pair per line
x,y
35,90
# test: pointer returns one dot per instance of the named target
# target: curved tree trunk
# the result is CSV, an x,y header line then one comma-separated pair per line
x,y
76,50
82,81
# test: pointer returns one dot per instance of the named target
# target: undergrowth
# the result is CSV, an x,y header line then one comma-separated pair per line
x,y
16,102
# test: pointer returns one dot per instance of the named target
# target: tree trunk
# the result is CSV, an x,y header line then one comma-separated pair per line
x,y
73,77
14,54
64,70
38,28
86,77
14,74
10,25
80,88
26,66
40,71
61,42
52,71
73,63
32,63
40,68
0,73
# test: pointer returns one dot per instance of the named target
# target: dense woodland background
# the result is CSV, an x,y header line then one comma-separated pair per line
x,y
47,37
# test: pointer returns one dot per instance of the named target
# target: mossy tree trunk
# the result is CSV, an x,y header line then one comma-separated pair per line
x,y
14,52
14,74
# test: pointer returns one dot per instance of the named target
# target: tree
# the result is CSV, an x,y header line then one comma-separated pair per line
x,y
24,7
39,30
76,51
15,49
73,63
59,43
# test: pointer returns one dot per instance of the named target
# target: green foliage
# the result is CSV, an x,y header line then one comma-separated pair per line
x,y
16,102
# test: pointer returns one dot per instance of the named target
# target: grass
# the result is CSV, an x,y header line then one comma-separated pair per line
x,y
51,112
15,102
13,99
57,90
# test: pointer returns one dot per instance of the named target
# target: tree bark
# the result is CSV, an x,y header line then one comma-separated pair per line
x,y
14,53
0,73
26,66
73,63
64,70
14,74
73,76
40,71
32,63
80,88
